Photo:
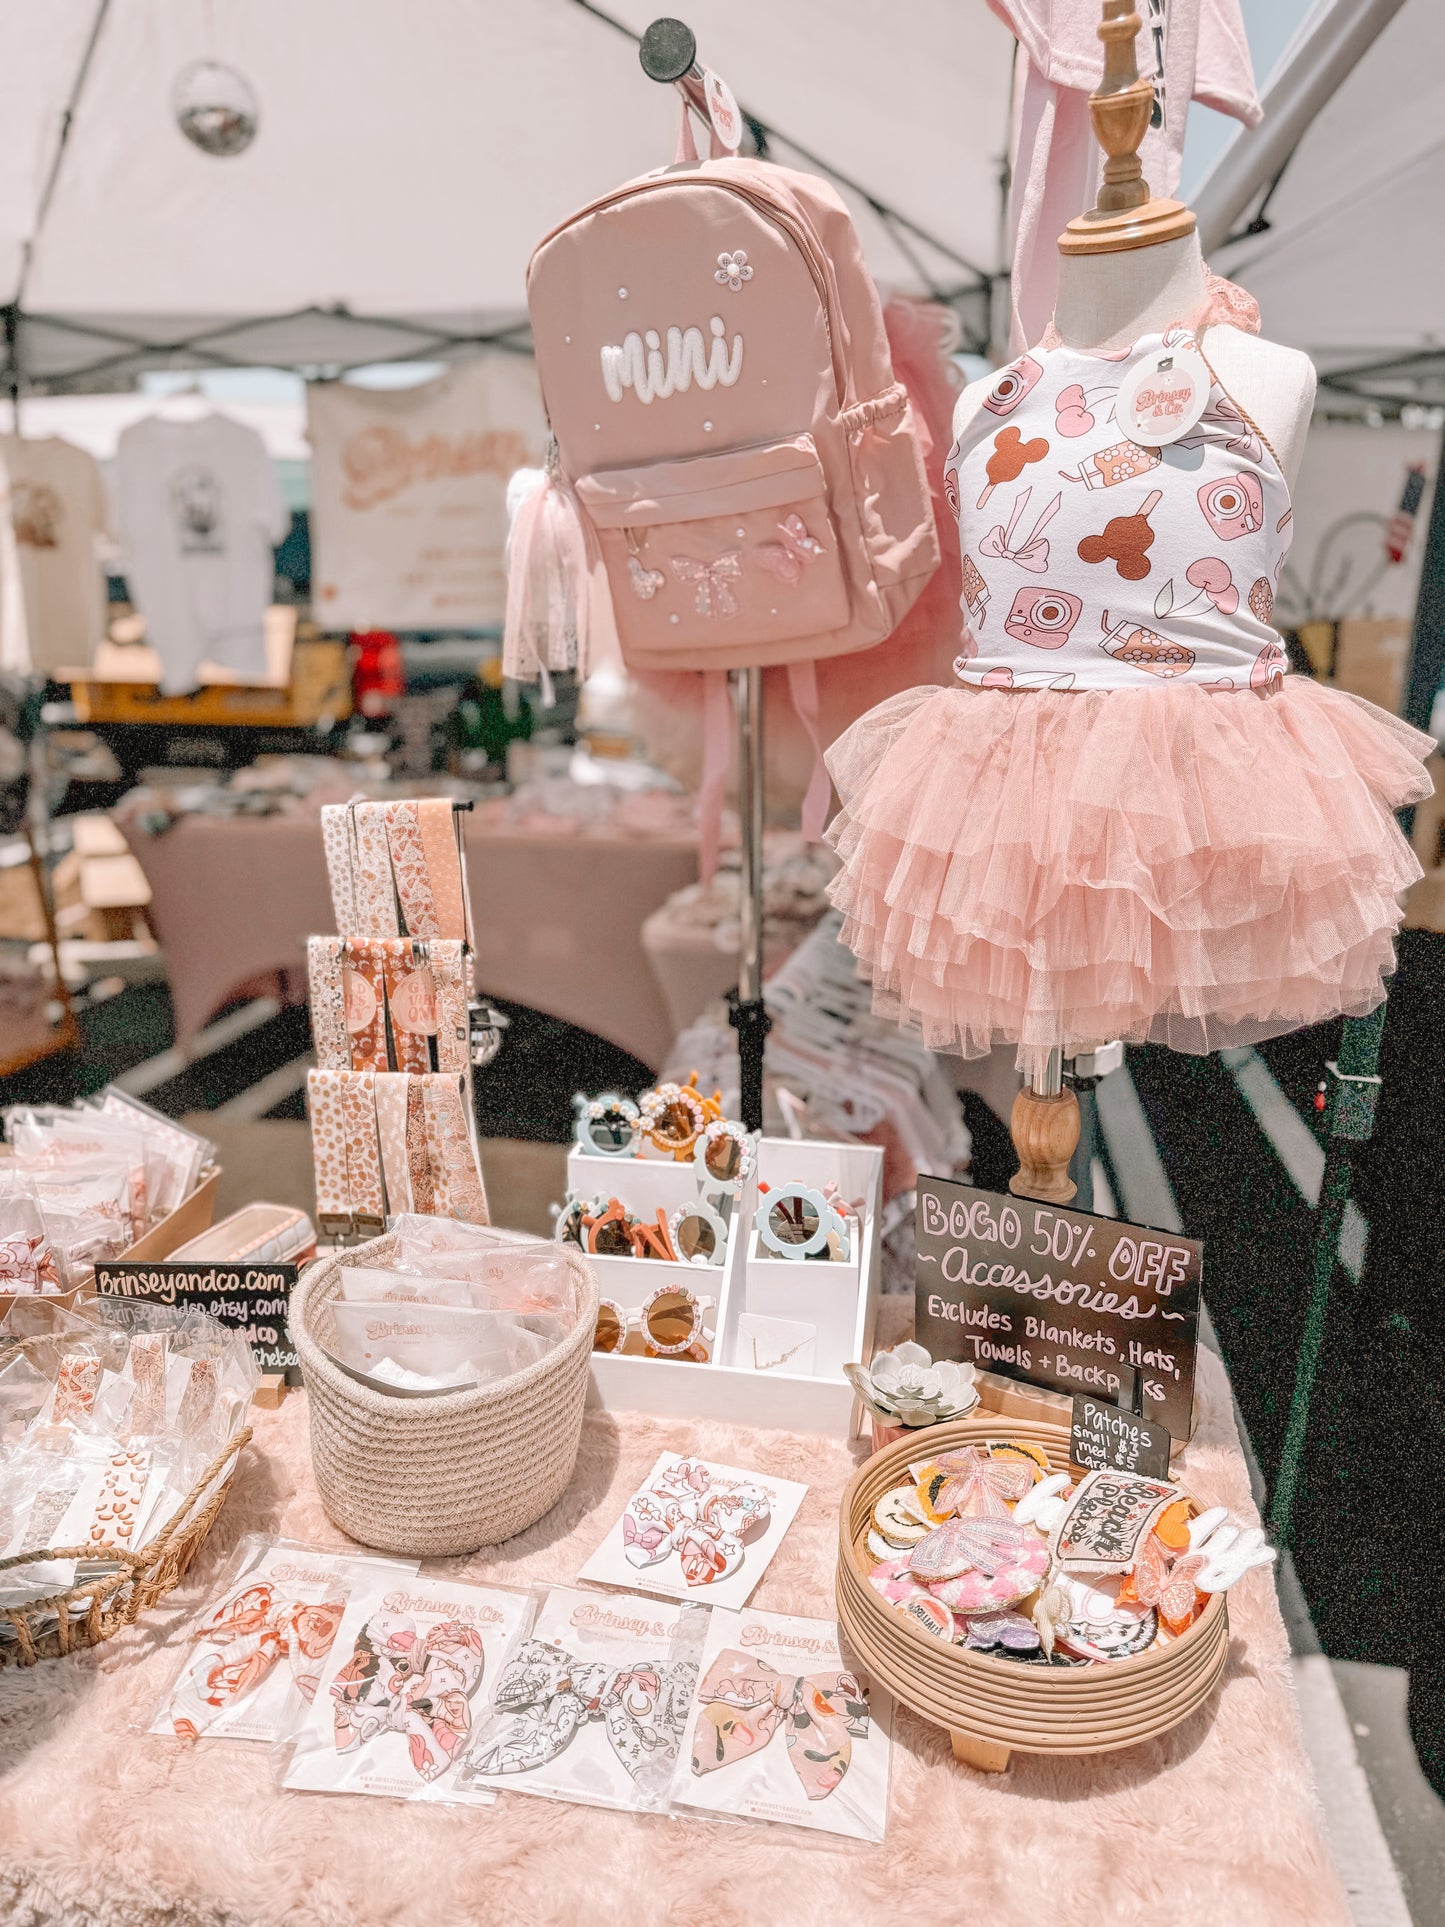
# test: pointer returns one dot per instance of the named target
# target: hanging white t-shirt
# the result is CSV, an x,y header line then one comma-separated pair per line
x,y
201,511
60,516
409,494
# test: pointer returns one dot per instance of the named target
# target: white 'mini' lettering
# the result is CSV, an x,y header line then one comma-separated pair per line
x,y
639,363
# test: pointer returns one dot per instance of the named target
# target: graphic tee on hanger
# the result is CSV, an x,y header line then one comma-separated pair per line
x,y
60,517
409,494
200,510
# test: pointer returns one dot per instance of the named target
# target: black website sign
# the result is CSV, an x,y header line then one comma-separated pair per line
x,y
1059,1298
255,1299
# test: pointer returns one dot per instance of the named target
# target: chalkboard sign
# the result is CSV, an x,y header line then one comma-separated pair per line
x,y
255,1299
1104,1439
1058,1298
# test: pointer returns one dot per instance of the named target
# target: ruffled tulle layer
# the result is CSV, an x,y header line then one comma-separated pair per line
x,y
1061,868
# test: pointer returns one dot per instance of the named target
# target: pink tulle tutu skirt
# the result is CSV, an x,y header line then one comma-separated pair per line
x,y
1061,868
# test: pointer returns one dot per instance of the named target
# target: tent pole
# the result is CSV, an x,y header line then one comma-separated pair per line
x,y
1354,1089
1427,643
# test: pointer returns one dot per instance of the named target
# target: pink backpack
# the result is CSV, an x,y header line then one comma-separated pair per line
x,y
737,473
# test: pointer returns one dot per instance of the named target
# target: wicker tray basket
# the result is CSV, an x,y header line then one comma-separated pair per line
x,y
431,1477
100,1608
995,1707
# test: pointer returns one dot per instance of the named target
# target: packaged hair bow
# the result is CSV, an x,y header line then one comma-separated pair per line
x,y
784,1729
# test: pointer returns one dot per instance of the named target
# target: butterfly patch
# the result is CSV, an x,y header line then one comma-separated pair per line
x,y
793,550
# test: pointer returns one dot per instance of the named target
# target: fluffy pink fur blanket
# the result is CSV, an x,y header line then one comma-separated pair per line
x,y
100,1823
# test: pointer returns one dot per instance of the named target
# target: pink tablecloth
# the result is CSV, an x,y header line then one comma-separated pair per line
x,y
558,917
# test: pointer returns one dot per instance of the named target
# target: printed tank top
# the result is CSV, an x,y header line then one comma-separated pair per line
x,y
1091,562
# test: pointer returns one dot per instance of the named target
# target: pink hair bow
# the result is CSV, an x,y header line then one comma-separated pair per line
x,y
742,1701
1032,553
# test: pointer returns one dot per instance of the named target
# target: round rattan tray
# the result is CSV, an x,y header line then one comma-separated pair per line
x,y
996,1707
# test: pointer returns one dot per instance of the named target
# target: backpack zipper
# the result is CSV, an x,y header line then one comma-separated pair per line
x,y
764,206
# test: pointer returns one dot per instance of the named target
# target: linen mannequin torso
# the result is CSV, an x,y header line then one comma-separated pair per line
x,y
1108,300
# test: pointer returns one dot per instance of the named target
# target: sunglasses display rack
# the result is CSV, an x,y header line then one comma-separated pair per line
x,y
839,1299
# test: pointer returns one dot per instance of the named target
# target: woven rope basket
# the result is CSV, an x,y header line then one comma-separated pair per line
x,y
435,1476
100,1608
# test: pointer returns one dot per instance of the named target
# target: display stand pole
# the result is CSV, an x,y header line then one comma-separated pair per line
x,y
1354,1089
747,1012
668,53
1044,1127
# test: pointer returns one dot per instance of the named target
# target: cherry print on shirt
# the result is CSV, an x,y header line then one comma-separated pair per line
x,y
1233,505
1125,540
1130,642
1011,385
1030,550
1011,456
1043,618
1073,414
1213,583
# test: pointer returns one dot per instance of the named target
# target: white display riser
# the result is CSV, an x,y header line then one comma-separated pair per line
x,y
841,1300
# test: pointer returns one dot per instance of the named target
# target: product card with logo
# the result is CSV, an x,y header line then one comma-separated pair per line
x,y
593,1706
256,1650
699,1531
406,1687
784,1729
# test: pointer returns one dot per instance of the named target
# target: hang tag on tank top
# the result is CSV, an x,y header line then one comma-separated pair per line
x,y
1163,397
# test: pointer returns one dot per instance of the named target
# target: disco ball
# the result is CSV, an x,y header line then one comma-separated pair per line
x,y
215,108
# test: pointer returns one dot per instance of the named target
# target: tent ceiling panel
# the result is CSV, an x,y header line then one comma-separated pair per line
x,y
408,158
1350,266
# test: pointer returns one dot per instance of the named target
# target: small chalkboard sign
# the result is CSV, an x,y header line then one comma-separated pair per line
x,y
1102,1438
255,1299
1059,1298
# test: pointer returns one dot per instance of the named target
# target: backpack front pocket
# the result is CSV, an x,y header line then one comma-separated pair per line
x,y
720,560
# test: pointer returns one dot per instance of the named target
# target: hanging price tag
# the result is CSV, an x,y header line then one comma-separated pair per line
x,y
723,111
1163,396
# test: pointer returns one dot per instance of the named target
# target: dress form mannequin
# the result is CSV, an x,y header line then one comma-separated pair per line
x,y
1129,267
1107,300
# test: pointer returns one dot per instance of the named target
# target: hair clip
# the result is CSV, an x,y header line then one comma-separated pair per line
x,y
724,1157
606,1126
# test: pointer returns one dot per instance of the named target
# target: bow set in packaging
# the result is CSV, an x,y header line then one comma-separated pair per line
x,y
459,1306
110,1415
696,1530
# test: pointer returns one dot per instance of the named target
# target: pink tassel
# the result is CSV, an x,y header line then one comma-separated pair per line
x,y
558,610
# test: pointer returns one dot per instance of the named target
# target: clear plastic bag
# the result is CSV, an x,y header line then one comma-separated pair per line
x,y
509,1270
784,1730
405,1687
253,1656
422,1347
593,1707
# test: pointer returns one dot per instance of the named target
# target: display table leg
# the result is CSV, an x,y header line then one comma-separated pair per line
x,y
984,1756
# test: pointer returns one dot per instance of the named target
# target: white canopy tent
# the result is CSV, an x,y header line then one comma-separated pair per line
x,y
409,158
1329,211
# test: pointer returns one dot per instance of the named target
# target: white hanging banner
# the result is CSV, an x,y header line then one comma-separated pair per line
x,y
409,495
